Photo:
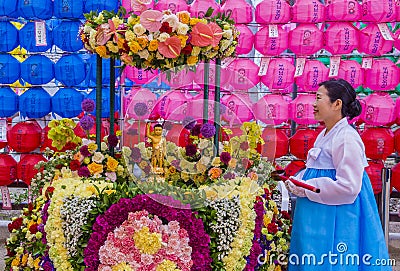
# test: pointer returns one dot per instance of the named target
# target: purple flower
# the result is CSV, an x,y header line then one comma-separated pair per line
x,y
136,155
88,105
84,150
190,150
207,130
189,122
83,172
196,130
229,176
86,122
140,109
112,141
225,157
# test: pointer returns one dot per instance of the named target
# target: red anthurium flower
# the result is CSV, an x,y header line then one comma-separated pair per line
x,y
202,35
171,48
217,34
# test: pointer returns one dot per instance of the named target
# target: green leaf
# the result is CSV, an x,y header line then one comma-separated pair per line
x,y
209,12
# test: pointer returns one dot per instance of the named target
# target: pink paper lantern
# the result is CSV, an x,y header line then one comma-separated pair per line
x,y
238,108
301,142
196,106
131,134
199,8
378,109
280,74
180,79
341,38
239,10
133,5
139,96
379,142
379,10
384,75
246,40
272,109
396,37
199,75
173,5
174,105
244,74
178,135
343,10
276,143
305,39
139,76
351,71
271,46
308,11
371,41
314,73
272,12
301,109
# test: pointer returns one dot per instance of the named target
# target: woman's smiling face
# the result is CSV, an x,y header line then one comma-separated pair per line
x,y
323,107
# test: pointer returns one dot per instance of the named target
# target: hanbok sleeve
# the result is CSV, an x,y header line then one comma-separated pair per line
x,y
349,160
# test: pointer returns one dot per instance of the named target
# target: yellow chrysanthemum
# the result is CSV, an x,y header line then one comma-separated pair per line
x,y
192,60
24,259
122,267
147,242
184,17
143,42
92,147
134,46
102,51
183,40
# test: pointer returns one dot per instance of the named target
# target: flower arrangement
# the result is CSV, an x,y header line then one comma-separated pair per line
x,y
84,220
159,40
62,134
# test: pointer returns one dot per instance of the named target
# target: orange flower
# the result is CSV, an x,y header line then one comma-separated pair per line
x,y
214,172
184,17
112,164
153,46
192,60
95,168
143,42
102,51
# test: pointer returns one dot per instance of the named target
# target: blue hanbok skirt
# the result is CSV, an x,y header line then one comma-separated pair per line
x,y
338,237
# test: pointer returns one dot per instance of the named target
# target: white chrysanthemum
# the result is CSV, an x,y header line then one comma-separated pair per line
x,y
182,29
172,20
139,29
129,35
163,37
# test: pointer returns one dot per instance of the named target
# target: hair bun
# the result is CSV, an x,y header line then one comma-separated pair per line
x,y
354,109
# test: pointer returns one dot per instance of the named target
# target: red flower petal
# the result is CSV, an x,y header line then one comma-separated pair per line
x,y
201,35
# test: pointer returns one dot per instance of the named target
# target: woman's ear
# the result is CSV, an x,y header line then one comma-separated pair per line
x,y
338,104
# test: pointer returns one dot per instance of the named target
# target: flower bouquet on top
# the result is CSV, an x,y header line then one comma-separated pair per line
x,y
159,40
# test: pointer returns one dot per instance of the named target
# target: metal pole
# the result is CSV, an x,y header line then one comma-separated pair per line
x,y
112,99
206,93
99,98
386,178
217,99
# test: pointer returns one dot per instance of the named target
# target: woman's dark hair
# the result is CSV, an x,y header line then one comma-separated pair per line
x,y
341,89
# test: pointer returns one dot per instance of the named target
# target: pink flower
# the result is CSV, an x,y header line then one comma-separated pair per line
x,y
111,176
216,34
151,20
202,35
171,48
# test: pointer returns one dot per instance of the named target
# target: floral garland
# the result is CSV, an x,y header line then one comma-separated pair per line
x,y
252,259
159,40
246,190
64,188
163,206
145,243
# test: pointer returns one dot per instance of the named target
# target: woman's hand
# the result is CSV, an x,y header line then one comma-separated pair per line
x,y
294,189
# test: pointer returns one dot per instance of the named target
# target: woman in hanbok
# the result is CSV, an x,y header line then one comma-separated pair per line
x,y
338,228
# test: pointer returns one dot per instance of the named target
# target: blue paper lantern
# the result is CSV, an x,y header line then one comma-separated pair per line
x,y
68,9
9,34
8,8
9,69
70,70
35,9
106,69
105,109
28,41
37,70
8,102
35,103
67,102
100,5
65,36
